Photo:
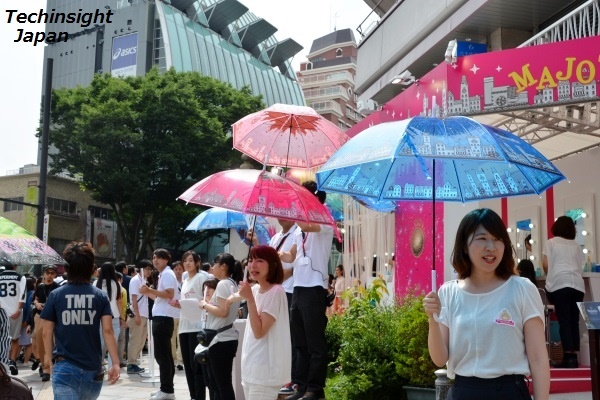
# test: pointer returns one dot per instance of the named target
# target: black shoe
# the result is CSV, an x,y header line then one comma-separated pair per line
x,y
35,365
295,396
179,367
45,377
13,367
312,396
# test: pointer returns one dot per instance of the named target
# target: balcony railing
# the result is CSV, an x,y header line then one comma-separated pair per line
x,y
332,92
324,107
582,22
327,78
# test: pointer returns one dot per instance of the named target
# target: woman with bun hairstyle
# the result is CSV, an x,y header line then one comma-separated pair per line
x,y
220,316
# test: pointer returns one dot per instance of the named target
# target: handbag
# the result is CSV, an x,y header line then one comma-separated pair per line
x,y
129,310
13,388
206,336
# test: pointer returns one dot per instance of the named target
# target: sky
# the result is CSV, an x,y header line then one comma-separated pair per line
x,y
22,64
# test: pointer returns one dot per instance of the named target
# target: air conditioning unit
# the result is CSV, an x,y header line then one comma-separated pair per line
x,y
366,106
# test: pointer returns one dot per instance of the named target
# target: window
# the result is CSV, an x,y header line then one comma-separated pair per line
x,y
10,206
59,206
309,65
338,53
100,212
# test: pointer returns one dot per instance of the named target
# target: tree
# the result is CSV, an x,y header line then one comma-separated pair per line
x,y
137,143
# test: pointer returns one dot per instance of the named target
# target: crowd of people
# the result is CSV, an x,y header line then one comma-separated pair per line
x,y
286,289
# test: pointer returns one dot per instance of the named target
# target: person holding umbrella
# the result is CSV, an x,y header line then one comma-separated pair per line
x,y
310,255
490,330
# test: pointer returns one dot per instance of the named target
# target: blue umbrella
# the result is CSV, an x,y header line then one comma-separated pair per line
x,y
220,218
451,159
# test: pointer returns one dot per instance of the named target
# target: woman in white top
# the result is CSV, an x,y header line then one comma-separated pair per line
x,y
221,314
562,263
266,353
191,288
107,282
490,329
340,286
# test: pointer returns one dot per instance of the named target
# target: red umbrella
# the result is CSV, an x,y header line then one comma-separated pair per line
x,y
288,136
260,193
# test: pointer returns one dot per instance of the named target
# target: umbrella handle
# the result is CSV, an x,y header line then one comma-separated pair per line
x,y
436,317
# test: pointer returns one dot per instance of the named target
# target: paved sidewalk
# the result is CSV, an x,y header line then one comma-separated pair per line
x,y
129,386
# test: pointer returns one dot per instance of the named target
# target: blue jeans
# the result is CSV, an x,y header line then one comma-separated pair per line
x,y
70,382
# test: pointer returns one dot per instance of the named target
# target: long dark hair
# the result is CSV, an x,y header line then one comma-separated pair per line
x,y
108,274
234,269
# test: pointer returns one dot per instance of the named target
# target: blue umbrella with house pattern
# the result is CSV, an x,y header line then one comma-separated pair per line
x,y
452,159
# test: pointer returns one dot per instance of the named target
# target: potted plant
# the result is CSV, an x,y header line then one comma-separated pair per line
x,y
371,347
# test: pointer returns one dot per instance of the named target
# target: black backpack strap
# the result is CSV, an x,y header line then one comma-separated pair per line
x,y
223,329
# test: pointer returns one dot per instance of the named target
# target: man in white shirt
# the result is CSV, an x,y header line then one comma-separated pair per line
x,y
310,254
283,241
12,299
163,322
138,325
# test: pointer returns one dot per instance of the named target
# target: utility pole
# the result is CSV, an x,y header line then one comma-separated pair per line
x,y
44,150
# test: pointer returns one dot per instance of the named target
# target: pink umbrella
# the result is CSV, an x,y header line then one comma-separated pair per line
x,y
260,193
288,136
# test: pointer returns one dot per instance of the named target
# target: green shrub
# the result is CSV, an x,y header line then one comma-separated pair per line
x,y
413,362
374,349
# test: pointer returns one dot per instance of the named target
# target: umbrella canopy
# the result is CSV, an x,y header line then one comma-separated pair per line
x,y
452,159
221,218
20,247
288,136
260,193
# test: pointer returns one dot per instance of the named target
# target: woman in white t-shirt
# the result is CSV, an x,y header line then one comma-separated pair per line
x,y
490,330
221,314
191,288
107,282
267,349
562,263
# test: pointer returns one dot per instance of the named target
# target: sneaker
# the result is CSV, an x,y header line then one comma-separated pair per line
x,y
13,367
312,396
134,369
163,396
35,365
45,377
179,367
288,388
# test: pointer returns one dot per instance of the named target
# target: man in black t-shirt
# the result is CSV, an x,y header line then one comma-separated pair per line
x,y
39,299
74,312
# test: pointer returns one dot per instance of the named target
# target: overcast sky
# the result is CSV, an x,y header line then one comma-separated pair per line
x,y
21,66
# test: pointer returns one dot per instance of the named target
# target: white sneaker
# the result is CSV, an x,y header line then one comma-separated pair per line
x,y
163,396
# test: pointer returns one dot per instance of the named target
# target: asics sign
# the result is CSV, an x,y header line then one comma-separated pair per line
x,y
124,55
124,52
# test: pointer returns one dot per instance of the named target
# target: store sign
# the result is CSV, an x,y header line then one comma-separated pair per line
x,y
530,77
124,55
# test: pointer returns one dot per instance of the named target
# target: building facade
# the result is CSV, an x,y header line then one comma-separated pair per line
x,y
327,78
217,38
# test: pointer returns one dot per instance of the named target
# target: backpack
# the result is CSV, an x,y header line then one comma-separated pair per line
x,y
13,388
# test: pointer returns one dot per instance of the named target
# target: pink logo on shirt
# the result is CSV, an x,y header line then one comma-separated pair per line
x,y
504,318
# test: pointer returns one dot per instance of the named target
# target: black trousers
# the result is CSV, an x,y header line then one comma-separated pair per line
x,y
193,372
308,323
565,304
294,355
162,332
220,363
502,388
